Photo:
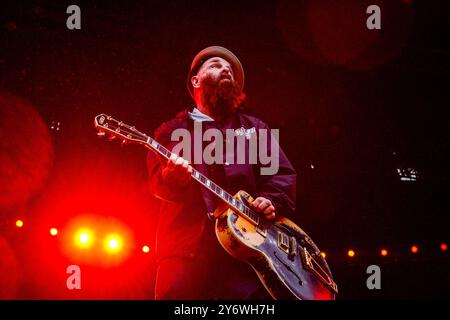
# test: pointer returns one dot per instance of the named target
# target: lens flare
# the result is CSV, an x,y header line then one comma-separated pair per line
x,y
53,231
84,238
113,243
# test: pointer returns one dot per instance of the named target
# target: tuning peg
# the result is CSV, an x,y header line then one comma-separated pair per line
x,y
111,138
123,142
101,134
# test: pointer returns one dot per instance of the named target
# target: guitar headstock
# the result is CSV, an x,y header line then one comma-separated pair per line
x,y
117,129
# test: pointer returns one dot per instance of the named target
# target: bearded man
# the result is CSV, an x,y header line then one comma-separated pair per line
x,y
191,264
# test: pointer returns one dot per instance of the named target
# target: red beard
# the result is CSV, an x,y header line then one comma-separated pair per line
x,y
221,96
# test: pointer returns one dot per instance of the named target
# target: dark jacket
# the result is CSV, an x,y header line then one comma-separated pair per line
x,y
182,214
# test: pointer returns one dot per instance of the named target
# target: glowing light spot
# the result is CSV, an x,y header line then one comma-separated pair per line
x,y
53,231
443,247
351,253
84,238
146,249
113,243
414,249
324,255
19,223
384,252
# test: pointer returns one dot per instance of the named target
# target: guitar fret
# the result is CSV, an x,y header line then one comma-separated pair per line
x,y
166,152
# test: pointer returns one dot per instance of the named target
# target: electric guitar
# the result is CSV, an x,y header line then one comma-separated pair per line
x,y
286,260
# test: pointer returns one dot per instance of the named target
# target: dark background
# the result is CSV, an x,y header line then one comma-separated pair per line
x,y
353,105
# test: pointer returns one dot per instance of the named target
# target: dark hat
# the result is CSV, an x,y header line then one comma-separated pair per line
x,y
216,51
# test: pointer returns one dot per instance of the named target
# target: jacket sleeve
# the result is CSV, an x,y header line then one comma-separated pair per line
x,y
160,188
280,187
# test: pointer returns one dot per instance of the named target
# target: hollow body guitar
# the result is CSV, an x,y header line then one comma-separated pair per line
x,y
286,260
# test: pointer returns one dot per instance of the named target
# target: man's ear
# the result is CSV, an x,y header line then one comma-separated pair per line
x,y
195,80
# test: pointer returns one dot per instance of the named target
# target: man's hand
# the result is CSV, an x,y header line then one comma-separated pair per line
x,y
177,171
264,206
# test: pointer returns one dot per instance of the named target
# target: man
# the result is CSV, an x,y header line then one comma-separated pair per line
x,y
191,264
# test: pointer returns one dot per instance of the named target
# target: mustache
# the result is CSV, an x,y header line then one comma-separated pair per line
x,y
226,75
217,87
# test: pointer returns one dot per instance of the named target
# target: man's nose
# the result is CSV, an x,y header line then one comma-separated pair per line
x,y
226,70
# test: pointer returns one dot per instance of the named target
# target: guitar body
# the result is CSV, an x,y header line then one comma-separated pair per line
x,y
285,259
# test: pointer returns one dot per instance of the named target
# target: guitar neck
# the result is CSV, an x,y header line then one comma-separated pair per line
x,y
209,184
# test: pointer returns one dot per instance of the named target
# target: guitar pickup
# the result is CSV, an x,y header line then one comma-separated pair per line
x,y
288,244
283,242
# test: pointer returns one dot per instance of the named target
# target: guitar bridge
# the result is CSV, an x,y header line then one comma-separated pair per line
x,y
310,264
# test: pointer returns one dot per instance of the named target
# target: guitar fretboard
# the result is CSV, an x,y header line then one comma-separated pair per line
x,y
210,185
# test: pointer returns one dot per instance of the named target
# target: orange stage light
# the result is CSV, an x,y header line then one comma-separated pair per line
x,y
84,238
113,243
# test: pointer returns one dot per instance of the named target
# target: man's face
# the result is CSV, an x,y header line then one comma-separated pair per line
x,y
216,72
215,86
